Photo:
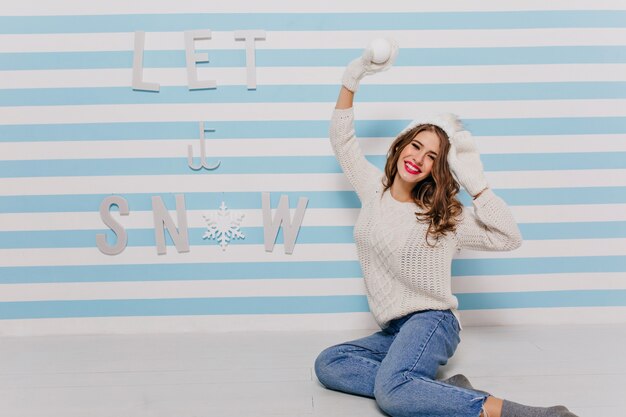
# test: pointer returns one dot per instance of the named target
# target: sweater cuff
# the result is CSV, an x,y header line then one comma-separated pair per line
x,y
485,198
343,114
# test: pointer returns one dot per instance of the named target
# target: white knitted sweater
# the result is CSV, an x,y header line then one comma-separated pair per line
x,y
402,273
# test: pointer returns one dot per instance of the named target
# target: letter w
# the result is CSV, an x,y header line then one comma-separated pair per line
x,y
290,230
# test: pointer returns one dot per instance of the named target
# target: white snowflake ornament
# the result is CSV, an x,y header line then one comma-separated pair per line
x,y
223,226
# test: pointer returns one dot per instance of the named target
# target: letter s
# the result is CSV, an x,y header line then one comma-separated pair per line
x,y
105,215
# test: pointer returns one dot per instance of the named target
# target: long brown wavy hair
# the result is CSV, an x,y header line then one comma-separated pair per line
x,y
436,194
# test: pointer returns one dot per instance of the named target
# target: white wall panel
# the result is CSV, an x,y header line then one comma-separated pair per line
x,y
541,85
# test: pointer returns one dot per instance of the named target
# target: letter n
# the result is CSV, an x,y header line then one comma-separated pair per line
x,y
162,218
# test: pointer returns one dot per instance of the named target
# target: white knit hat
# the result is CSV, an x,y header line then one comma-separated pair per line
x,y
449,122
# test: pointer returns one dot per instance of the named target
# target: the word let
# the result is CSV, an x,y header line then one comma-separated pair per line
x,y
191,58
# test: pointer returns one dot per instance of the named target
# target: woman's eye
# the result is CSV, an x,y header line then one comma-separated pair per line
x,y
432,157
415,146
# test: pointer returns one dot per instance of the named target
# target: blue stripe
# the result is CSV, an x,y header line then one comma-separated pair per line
x,y
538,299
313,21
313,94
183,306
547,126
317,199
288,165
553,265
14,61
177,130
307,234
170,166
294,270
297,129
291,305
183,271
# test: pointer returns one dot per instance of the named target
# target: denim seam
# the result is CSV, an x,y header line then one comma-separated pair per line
x,y
482,397
375,352
455,323
407,373
372,362
459,389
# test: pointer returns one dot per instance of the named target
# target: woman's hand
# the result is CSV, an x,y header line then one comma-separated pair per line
x,y
364,65
464,161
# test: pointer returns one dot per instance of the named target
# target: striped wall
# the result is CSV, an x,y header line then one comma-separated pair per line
x,y
541,85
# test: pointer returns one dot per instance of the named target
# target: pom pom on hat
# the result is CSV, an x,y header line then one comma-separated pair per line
x,y
448,122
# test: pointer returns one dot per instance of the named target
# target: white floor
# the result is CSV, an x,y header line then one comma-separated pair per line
x,y
270,374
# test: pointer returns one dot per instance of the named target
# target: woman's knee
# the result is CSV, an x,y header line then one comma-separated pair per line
x,y
323,363
388,401
384,389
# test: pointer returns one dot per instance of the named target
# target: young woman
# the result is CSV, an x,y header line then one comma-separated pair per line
x,y
409,227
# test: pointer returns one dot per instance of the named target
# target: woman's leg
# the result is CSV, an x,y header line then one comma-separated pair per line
x,y
405,385
352,366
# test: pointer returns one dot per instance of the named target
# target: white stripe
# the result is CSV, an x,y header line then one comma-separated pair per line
x,y
544,282
78,7
293,287
177,148
297,322
550,143
194,112
286,288
543,316
120,184
211,253
176,183
182,289
236,76
570,213
313,217
302,40
554,248
184,324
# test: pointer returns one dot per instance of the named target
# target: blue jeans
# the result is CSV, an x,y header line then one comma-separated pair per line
x,y
397,367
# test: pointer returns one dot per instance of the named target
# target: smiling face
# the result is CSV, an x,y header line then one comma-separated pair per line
x,y
417,159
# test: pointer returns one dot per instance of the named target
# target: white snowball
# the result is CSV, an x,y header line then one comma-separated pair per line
x,y
381,49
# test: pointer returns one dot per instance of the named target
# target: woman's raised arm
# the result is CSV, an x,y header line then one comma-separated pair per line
x,y
362,175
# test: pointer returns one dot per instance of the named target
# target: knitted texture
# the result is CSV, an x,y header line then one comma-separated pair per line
x,y
465,164
449,122
402,273
363,65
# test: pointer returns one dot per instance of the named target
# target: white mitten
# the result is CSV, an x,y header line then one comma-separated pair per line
x,y
363,65
464,161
